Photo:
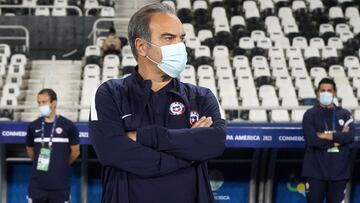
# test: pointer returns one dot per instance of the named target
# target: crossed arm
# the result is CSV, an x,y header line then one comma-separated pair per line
x,y
151,150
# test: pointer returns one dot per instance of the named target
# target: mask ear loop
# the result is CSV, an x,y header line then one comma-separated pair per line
x,y
148,56
152,60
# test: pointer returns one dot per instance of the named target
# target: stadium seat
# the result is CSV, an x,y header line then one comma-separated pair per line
x,y
280,116
336,71
126,51
189,29
204,34
208,82
189,70
111,60
297,115
16,69
107,12
59,12
281,42
192,42
91,70
110,71
18,59
92,51
14,79
42,12
89,4
335,42
11,90
29,3
8,100
5,51
224,71
330,57
128,60
279,71
205,71
60,3
258,116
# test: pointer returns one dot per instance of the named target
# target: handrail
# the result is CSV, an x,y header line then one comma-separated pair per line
x,y
95,7
42,6
25,107
26,38
95,28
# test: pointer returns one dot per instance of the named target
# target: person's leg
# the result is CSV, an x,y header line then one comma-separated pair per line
x,y
36,195
336,191
315,190
59,196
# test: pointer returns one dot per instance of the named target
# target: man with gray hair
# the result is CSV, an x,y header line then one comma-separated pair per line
x,y
152,133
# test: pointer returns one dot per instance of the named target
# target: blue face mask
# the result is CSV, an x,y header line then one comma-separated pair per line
x,y
45,110
174,58
325,98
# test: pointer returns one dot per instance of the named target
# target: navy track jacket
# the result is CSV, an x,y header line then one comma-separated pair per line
x,y
167,163
318,162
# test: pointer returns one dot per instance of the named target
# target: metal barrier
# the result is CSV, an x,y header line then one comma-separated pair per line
x,y
16,27
96,30
38,6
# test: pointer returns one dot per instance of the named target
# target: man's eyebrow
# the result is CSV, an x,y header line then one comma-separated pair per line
x,y
168,35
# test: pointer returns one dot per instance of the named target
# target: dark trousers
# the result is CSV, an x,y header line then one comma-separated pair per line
x,y
37,195
317,190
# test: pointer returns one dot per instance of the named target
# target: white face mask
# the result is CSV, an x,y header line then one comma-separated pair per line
x,y
326,98
45,110
174,59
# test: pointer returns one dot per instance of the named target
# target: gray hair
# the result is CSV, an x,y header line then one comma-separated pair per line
x,y
139,23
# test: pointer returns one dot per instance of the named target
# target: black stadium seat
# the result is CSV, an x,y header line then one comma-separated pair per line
x,y
210,42
263,80
185,15
224,38
202,60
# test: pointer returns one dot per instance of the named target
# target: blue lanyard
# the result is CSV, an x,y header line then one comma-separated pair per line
x,y
333,120
51,133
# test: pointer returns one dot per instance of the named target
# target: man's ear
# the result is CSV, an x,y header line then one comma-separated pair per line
x,y
53,104
141,47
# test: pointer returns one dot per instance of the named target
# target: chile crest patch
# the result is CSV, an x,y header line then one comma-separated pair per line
x,y
176,108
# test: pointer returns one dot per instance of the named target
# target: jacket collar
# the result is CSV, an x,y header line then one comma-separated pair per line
x,y
145,85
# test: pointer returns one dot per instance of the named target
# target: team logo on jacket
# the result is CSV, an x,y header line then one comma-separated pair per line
x,y
194,116
341,122
177,108
58,130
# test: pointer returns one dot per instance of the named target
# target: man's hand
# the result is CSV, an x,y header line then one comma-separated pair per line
x,y
336,144
325,136
203,122
345,129
132,135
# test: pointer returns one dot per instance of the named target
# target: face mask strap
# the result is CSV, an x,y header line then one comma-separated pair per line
x,y
152,60
148,56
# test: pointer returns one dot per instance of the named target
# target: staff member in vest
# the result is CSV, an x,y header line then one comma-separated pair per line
x,y
152,133
328,131
52,142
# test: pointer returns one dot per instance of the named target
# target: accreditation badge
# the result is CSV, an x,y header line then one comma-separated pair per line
x,y
44,159
333,150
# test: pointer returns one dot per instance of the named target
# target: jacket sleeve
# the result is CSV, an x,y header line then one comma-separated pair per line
x,y
115,149
29,136
346,138
195,144
310,136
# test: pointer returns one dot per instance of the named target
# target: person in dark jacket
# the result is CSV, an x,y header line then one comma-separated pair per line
x,y
52,143
328,132
152,133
